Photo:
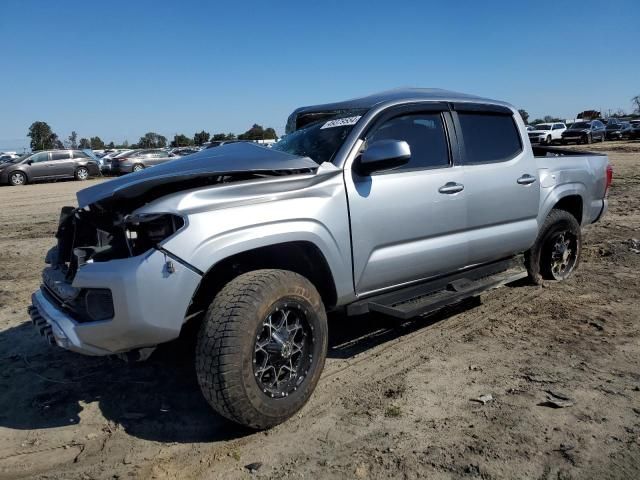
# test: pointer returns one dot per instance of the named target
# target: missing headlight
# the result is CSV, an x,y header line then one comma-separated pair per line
x,y
145,231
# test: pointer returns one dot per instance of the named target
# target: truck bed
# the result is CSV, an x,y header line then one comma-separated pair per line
x,y
580,173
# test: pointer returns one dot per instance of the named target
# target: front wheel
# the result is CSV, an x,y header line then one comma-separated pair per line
x,y
262,347
17,178
556,252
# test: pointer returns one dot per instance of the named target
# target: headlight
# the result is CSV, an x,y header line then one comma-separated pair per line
x,y
145,231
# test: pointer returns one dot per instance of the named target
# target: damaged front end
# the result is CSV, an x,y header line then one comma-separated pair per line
x,y
90,235
110,286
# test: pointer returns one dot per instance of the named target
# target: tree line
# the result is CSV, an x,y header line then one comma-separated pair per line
x,y
43,138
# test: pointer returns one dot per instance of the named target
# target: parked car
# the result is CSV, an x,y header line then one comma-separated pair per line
x,y
48,165
618,131
105,162
547,133
635,130
370,205
139,160
184,151
584,132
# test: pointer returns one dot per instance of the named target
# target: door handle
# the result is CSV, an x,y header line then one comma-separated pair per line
x,y
526,179
451,187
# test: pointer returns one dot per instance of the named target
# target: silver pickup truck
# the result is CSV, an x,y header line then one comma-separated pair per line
x,y
398,203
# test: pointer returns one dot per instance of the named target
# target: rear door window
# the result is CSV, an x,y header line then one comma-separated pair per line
x,y
489,137
60,155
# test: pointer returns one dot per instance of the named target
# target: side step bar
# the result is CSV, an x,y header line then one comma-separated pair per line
x,y
435,294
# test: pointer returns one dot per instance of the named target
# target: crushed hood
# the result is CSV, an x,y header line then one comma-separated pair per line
x,y
229,159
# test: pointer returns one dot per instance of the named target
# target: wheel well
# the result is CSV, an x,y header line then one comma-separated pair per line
x,y
571,204
300,257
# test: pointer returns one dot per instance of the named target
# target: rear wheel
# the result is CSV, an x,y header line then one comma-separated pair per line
x,y
261,347
82,173
556,252
137,167
17,178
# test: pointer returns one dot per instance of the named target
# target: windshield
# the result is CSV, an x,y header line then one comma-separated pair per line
x,y
21,158
322,136
543,126
581,125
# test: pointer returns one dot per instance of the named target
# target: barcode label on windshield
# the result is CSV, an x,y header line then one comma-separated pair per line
x,y
341,122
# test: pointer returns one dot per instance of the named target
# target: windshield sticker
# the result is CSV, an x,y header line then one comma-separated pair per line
x,y
341,122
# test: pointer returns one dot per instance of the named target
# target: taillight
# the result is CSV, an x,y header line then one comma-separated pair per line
x,y
609,179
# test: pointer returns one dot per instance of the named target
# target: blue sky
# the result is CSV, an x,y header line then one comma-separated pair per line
x,y
118,69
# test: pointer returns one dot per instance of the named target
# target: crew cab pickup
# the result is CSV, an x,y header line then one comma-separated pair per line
x,y
400,203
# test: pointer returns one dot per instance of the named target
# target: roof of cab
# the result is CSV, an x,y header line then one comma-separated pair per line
x,y
400,95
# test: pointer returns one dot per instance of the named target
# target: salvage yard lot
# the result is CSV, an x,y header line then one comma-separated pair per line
x,y
395,400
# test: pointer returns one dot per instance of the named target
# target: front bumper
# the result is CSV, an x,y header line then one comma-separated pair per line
x,y
150,300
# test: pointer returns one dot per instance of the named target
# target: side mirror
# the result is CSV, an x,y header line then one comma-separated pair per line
x,y
29,162
383,155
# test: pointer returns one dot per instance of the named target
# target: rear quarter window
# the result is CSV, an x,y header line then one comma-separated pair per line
x,y
489,137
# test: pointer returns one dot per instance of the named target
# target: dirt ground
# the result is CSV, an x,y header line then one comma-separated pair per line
x,y
395,400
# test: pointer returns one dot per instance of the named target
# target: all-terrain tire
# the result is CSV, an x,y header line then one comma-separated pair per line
x,y
228,339
538,258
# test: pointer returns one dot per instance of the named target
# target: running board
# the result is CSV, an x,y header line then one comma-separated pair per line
x,y
433,295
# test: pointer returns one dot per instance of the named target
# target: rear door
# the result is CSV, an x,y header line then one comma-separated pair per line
x,y
408,223
501,182
61,164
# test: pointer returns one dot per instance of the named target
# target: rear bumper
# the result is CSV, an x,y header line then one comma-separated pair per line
x,y
150,302
120,169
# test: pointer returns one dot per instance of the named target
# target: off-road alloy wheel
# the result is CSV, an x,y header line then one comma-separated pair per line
x,y
82,173
261,347
556,252
137,167
17,178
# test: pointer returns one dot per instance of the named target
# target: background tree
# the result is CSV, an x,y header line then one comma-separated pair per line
x,y
57,143
181,141
84,144
111,145
73,140
219,137
257,132
525,116
201,137
152,140
42,137
635,101
96,143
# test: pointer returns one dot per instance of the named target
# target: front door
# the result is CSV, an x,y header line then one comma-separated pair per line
x,y
40,166
501,183
408,223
